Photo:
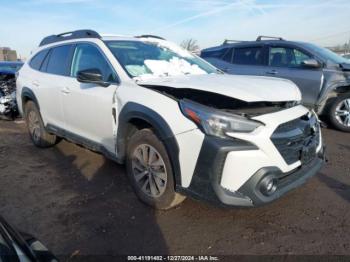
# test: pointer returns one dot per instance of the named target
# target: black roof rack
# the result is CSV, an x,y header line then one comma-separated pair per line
x,y
228,41
69,35
150,36
269,37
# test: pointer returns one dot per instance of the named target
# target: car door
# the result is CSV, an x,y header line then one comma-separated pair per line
x,y
245,60
87,107
50,82
286,62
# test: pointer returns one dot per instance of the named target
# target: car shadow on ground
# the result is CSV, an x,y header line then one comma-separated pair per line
x,y
79,203
341,189
344,147
104,215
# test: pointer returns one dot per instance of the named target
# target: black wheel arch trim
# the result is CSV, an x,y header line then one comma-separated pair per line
x,y
206,179
133,111
331,92
28,93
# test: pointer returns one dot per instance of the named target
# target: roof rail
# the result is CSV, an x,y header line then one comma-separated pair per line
x,y
70,35
269,37
228,41
150,36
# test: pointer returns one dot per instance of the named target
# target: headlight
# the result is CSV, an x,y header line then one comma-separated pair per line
x,y
215,122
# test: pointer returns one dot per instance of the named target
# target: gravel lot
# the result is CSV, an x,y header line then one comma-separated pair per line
x,y
77,202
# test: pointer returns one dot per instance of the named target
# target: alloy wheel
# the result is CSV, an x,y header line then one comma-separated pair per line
x,y
34,125
149,170
342,112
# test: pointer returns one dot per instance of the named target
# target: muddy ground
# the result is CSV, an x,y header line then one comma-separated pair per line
x,y
76,201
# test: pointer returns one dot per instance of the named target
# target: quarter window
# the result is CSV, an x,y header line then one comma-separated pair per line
x,y
248,56
86,57
58,62
46,61
214,54
228,55
38,59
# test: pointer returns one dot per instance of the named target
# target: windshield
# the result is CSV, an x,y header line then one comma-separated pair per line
x,y
327,54
157,58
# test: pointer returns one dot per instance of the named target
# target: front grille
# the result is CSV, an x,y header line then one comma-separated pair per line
x,y
290,138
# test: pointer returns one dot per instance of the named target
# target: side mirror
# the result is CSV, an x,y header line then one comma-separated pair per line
x,y
93,76
311,63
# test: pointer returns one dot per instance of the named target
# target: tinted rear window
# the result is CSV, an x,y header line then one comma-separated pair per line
x,y
58,63
213,53
248,56
228,55
37,60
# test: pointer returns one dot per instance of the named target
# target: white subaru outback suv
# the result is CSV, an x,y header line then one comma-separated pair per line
x,y
181,126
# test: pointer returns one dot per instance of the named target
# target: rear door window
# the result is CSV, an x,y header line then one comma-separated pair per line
x,y
58,62
38,59
248,55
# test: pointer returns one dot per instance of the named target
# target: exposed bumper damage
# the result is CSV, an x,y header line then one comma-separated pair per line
x,y
8,105
222,102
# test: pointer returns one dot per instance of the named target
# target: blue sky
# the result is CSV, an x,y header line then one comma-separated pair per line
x,y
325,22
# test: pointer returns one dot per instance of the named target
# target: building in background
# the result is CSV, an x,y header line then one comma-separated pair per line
x,y
6,54
341,49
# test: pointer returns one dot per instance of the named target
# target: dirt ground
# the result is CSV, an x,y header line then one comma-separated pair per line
x,y
76,201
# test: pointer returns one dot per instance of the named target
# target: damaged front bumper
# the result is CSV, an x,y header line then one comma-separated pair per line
x,y
258,168
207,184
255,187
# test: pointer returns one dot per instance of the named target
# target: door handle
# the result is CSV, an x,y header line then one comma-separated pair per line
x,y
65,90
272,72
35,83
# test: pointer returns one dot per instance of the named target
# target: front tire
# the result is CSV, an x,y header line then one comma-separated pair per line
x,y
150,172
339,114
37,132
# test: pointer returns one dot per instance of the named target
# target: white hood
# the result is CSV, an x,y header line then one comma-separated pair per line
x,y
246,88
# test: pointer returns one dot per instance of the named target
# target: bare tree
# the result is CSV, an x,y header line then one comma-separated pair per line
x,y
190,44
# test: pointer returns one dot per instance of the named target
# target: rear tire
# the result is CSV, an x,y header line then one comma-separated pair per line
x,y
339,113
36,128
150,172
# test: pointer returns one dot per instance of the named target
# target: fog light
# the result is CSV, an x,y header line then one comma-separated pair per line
x,y
268,185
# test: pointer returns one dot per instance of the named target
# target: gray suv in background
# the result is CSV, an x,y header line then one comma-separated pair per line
x,y
322,76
